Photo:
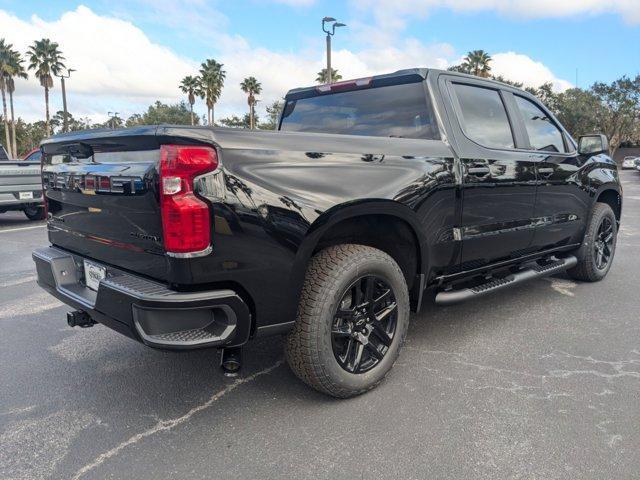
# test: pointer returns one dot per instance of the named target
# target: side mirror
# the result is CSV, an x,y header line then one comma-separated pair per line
x,y
593,145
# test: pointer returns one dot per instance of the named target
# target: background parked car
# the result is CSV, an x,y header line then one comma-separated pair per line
x,y
34,155
630,162
20,185
4,157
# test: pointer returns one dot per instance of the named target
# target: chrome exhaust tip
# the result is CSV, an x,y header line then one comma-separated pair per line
x,y
231,361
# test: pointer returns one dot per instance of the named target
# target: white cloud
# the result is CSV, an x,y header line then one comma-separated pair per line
x,y
120,68
113,58
523,69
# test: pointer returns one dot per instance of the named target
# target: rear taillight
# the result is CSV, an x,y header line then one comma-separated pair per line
x,y
186,223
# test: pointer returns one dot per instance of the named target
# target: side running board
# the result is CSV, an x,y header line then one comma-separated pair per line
x,y
450,297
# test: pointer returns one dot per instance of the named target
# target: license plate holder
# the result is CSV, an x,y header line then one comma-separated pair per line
x,y
93,273
25,195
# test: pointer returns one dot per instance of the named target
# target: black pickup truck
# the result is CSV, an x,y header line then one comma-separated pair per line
x,y
329,230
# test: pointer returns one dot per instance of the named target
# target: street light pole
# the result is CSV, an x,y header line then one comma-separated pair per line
x,y
331,31
329,71
112,119
65,119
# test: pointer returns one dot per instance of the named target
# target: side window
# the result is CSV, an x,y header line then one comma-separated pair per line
x,y
484,117
35,156
544,135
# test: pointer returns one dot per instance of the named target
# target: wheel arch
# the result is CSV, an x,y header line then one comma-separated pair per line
x,y
611,195
341,223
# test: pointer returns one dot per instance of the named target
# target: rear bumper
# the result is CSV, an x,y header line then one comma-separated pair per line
x,y
12,199
145,310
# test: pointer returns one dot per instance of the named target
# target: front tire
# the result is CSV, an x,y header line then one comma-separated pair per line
x,y
34,213
352,320
599,246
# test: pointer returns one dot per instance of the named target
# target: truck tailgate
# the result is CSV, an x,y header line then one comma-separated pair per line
x,y
103,203
16,177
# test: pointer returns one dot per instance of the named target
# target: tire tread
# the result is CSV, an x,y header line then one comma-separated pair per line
x,y
324,272
586,269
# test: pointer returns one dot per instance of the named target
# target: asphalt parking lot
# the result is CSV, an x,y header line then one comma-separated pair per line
x,y
543,382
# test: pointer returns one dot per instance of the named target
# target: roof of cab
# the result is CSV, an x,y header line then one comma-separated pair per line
x,y
408,75
401,76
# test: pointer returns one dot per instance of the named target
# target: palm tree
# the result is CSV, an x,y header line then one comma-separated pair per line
x,y
212,78
251,87
477,63
323,78
191,86
5,49
45,59
16,70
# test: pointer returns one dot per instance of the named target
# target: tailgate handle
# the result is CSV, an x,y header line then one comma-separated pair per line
x,y
479,171
546,172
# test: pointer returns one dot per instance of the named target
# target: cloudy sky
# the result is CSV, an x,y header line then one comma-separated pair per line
x,y
128,53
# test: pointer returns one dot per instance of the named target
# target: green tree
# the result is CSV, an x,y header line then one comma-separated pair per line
x,y
134,120
477,62
576,110
5,49
460,68
161,113
15,70
74,124
46,59
28,135
323,76
546,95
191,86
619,109
212,78
502,79
114,122
273,115
236,122
251,87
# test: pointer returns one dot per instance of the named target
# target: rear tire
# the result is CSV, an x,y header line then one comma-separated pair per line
x,y
34,213
596,254
343,344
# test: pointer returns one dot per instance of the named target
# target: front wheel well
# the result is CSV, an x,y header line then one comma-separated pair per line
x,y
614,200
388,233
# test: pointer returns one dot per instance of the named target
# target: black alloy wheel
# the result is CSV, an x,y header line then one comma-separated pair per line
x,y
595,255
604,243
351,322
364,324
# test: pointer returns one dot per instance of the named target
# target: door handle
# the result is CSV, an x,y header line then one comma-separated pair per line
x,y
479,171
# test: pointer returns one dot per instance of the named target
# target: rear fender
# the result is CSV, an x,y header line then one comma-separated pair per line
x,y
337,214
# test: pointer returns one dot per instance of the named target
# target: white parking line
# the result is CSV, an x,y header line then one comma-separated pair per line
x,y
21,228
18,281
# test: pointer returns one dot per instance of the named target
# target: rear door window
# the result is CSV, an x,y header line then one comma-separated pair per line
x,y
544,135
483,116
389,111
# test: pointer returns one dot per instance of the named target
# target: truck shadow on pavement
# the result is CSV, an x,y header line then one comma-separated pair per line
x,y
109,370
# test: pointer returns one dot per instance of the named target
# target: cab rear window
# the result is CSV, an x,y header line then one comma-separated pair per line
x,y
403,111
